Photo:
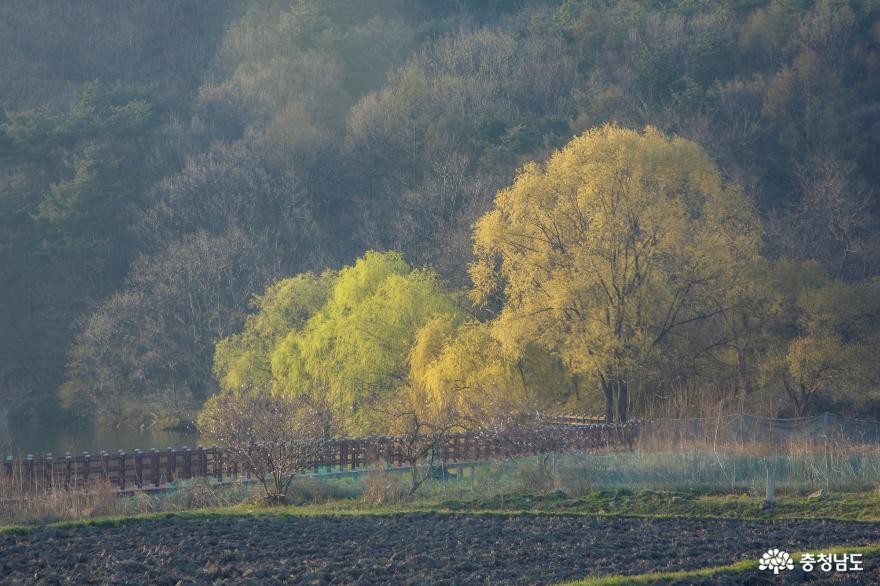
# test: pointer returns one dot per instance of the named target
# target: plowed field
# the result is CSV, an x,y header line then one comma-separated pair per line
x,y
400,549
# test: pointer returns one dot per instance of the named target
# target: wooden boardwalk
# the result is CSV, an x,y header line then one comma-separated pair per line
x,y
159,469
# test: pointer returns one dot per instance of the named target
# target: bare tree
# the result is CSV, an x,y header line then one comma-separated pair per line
x,y
421,426
273,437
146,353
828,221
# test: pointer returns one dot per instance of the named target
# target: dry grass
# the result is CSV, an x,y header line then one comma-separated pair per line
x,y
548,474
306,491
188,495
19,507
380,487
101,499
535,476
712,461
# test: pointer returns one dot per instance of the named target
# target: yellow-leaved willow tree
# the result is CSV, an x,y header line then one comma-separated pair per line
x,y
611,251
461,368
825,340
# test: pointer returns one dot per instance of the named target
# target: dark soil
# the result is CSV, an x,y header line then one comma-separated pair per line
x,y
400,549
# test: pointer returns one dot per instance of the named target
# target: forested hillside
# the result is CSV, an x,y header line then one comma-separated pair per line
x,y
164,164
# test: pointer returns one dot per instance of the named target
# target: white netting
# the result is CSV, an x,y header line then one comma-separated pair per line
x,y
744,429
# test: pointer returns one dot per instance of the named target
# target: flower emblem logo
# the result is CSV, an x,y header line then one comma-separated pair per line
x,y
775,559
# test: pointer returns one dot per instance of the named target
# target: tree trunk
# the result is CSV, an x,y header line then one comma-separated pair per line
x,y
622,401
609,399
804,400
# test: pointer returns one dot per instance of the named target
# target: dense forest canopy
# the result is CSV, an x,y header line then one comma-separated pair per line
x,y
167,168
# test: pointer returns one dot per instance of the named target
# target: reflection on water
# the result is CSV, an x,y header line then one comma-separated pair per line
x,y
38,439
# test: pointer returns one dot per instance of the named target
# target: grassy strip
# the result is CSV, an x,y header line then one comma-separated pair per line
x,y
659,578
862,506
256,511
605,503
239,511
662,577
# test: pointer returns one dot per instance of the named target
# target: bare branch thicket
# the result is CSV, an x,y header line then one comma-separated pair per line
x,y
272,437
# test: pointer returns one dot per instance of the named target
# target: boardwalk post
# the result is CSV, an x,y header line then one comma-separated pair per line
x,y
121,455
187,463
172,464
154,466
68,470
218,464
105,465
50,468
373,449
138,467
32,481
400,452
86,466
203,462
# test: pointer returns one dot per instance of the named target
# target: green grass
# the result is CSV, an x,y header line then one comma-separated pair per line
x,y
723,470
666,577
659,578
861,506
864,506
685,469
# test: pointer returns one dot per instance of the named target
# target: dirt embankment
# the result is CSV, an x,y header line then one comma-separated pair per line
x,y
400,549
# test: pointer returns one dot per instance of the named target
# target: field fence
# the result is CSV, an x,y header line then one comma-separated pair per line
x,y
751,430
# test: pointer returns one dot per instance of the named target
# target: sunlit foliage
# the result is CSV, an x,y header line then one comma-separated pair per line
x,y
343,336
140,141
620,242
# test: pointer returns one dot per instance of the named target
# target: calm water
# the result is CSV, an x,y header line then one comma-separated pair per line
x,y
32,439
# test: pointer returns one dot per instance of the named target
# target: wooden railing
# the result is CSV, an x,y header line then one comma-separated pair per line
x,y
578,419
126,470
138,470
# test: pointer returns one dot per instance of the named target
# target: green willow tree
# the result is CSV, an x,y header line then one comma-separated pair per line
x,y
244,360
618,244
344,337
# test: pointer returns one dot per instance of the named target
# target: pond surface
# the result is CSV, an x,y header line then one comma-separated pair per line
x,y
28,438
